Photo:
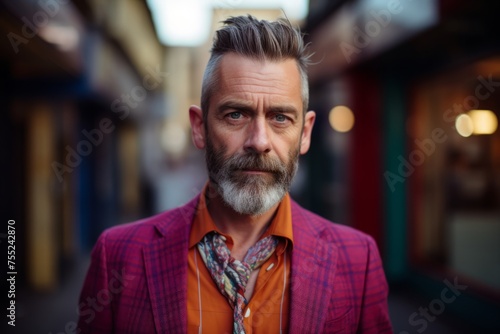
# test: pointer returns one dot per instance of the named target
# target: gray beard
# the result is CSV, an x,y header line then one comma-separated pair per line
x,y
253,198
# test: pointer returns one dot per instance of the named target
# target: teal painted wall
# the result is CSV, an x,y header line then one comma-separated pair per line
x,y
395,184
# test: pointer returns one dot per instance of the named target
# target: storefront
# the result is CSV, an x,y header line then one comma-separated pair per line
x,y
420,168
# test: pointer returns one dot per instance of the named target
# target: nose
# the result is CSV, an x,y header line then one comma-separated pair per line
x,y
258,140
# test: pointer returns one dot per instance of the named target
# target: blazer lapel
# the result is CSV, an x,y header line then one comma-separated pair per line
x,y
313,267
166,270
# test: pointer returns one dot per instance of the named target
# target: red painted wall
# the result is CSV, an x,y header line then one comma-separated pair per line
x,y
366,174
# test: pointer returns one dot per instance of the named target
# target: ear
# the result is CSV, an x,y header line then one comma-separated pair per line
x,y
305,141
197,126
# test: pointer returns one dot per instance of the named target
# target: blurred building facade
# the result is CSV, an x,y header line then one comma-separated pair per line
x,y
79,79
424,184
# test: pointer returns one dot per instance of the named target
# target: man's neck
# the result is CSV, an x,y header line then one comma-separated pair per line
x,y
245,230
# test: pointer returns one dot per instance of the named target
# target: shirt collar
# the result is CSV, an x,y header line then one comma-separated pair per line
x,y
281,224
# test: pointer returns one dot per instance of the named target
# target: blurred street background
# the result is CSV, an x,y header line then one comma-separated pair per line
x,y
94,98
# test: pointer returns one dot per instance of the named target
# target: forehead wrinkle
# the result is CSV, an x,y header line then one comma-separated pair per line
x,y
262,74
273,101
269,87
264,83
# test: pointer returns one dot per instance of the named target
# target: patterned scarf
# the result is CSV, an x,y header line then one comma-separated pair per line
x,y
230,275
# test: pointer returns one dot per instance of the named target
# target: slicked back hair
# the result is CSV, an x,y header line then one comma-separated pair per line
x,y
256,39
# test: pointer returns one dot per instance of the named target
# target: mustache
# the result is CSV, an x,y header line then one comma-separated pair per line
x,y
258,162
221,166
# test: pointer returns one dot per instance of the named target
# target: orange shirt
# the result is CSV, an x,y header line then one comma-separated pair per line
x,y
262,313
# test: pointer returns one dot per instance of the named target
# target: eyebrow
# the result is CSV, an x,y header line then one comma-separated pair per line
x,y
234,105
283,109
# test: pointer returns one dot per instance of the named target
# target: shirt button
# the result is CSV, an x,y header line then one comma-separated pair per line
x,y
247,313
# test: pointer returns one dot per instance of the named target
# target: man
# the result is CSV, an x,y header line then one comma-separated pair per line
x,y
241,257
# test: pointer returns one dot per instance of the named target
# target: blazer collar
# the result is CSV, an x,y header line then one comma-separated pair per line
x,y
166,269
313,266
314,262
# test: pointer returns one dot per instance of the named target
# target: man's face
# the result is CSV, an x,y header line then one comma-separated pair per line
x,y
254,132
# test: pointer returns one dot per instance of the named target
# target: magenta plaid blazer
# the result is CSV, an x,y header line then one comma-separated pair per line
x,y
136,282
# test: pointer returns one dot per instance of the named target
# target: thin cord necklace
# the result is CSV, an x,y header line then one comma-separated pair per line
x,y
200,329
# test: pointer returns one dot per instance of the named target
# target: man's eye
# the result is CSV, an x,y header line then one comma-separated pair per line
x,y
280,118
235,115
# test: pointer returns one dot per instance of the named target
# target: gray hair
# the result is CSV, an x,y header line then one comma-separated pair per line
x,y
257,39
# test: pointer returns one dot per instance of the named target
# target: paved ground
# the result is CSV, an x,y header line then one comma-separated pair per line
x,y
403,303
51,313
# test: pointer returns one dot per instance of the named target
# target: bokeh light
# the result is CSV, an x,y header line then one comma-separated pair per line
x,y
464,125
341,119
485,121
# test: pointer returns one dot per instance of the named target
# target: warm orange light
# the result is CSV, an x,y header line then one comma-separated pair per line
x,y
485,121
341,119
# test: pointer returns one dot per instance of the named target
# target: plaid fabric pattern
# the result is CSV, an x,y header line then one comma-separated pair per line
x,y
137,280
